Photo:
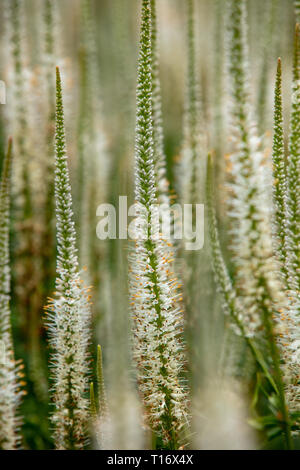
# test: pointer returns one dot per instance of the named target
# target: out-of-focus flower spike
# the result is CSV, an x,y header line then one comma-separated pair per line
x,y
157,320
93,163
103,408
10,392
257,281
100,413
249,214
269,36
223,280
194,138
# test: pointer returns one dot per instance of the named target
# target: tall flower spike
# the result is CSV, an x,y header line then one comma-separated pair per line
x,y
25,264
258,285
194,140
69,312
86,125
218,104
9,387
293,174
221,274
157,319
16,13
197,269
279,177
269,36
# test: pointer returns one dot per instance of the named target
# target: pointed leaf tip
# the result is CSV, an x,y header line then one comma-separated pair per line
x,y
279,65
58,79
209,160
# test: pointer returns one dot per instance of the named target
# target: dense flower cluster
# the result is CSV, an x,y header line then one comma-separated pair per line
x,y
194,143
158,349
10,392
69,312
255,267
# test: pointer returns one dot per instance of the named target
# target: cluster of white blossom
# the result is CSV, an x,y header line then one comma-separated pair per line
x,y
69,312
157,318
